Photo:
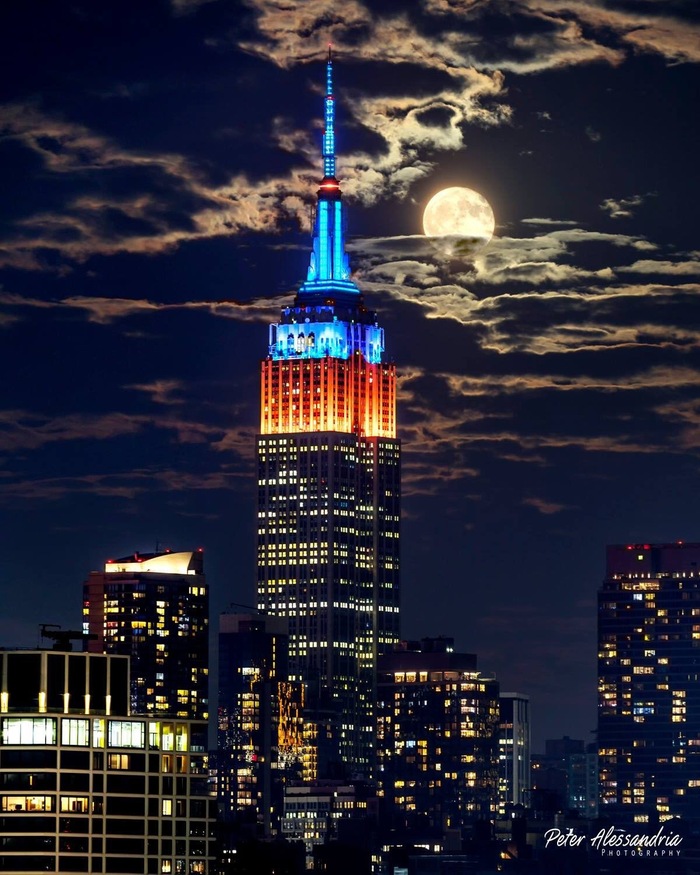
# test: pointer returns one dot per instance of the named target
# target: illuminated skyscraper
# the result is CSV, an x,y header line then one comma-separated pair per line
x,y
437,735
154,607
649,682
329,487
513,750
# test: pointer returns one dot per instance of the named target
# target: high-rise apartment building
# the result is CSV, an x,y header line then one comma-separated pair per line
x,y
513,750
260,737
649,682
154,607
437,735
329,488
85,786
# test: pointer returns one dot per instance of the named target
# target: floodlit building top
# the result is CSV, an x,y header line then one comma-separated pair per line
x,y
162,563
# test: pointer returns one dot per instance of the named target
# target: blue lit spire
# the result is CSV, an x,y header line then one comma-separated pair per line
x,y
329,123
328,319
328,277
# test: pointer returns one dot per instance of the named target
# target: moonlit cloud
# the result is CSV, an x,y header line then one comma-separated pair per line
x,y
167,392
104,311
28,430
464,428
621,208
544,266
129,485
543,506
671,268
543,221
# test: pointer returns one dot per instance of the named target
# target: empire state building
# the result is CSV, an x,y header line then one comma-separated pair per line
x,y
329,488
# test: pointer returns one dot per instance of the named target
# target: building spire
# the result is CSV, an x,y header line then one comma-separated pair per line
x,y
329,122
328,278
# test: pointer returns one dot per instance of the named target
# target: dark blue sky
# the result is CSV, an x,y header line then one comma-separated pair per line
x,y
159,162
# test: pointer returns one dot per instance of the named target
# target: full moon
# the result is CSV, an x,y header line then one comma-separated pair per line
x,y
461,214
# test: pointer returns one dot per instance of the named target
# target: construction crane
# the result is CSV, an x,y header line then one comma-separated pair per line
x,y
63,638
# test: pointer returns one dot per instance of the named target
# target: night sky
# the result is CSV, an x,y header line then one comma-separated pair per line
x,y
159,165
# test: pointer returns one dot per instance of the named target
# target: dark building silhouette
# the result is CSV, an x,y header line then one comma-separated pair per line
x,y
329,489
566,776
649,682
154,607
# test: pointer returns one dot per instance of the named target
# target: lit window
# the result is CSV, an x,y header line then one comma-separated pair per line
x,y
127,733
26,803
75,732
28,730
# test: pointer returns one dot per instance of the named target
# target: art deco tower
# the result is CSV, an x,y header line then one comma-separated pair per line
x,y
329,487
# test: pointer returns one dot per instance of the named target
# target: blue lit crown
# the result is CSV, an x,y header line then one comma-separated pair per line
x,y
329,318
328,277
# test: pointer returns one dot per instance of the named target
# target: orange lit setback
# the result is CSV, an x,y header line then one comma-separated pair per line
x,y
328,394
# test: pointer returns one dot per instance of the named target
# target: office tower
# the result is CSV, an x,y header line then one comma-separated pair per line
x,y
154,607
437,735
87,787
328,488
513,750
649,682
260,743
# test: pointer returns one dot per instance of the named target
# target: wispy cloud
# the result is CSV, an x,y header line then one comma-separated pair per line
x,y
647,266
165,392
128,485
27,430
623,208
544,506
104,311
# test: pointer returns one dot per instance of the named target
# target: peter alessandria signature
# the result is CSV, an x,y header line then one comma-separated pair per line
x,y
614,841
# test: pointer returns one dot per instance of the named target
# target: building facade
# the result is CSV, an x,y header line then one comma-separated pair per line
x,y
313,812
154,607
649,682
513,750
260,731
329,489
437,735
87,787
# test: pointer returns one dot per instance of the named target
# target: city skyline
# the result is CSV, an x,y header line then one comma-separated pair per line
x,y
161,169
